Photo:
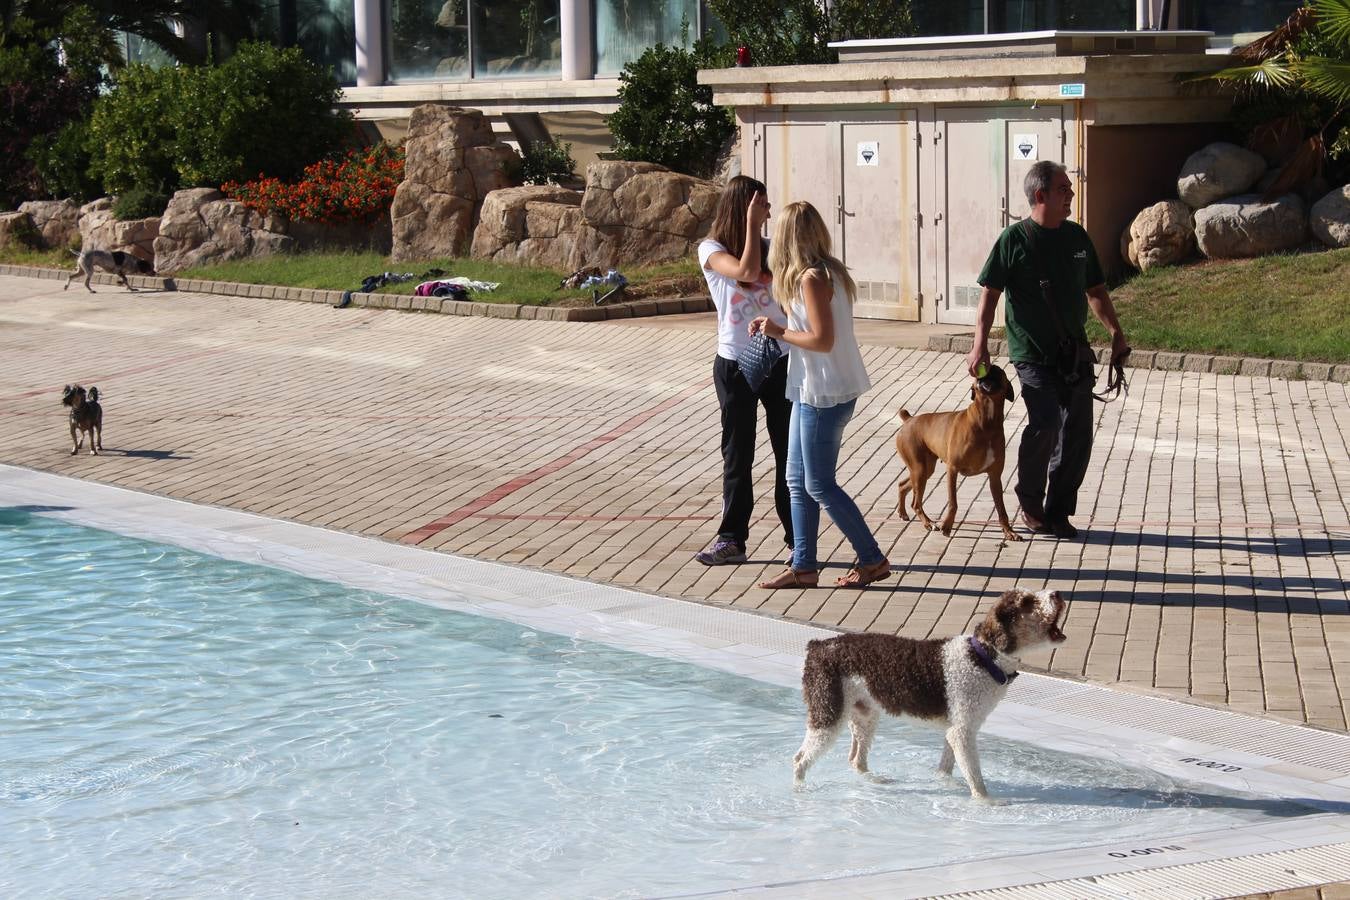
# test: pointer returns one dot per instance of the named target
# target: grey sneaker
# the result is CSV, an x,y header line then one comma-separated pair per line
x,y
721,553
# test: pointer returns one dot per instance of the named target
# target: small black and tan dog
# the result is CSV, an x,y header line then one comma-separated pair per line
x,y
86,415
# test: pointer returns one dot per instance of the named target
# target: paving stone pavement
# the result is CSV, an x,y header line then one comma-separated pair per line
x,y
1216,511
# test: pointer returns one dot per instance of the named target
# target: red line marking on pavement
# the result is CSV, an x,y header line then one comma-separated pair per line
x,y
502,491
136,371
564,517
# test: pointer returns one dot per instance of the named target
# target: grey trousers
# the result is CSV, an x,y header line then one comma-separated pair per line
x,y
1057,441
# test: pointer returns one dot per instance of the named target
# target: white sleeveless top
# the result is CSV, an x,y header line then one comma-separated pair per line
x,y
823,380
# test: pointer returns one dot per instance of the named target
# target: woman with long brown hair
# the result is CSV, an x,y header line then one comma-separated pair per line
x,y
733,260
826,376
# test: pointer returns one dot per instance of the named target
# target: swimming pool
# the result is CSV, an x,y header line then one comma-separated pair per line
x,y
175,723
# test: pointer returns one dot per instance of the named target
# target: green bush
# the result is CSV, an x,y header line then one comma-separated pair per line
x,y
798,32
139,203
547,162
264,111
63,163
132,130
665,116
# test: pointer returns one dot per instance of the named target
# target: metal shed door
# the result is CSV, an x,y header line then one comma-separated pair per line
x,y
860,170
982,155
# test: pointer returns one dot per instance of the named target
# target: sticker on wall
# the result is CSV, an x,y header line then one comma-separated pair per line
x,y
867,154
1024,146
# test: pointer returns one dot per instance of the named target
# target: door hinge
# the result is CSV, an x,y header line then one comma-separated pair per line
x,y
757,137
918,219
918,138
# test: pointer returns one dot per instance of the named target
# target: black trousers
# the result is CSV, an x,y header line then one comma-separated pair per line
x,y
740,417
1057,441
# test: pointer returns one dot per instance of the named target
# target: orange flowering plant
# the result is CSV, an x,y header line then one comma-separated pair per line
x,y
356,187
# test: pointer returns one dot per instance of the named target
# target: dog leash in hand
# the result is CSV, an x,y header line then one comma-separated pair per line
x,y
1116,385
987,661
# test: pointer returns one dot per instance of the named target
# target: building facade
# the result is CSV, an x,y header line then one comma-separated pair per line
x,y
371,43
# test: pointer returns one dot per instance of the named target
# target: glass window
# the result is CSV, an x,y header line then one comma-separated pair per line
x,y
516,38
136,49
625,28
939,17
1061,15
324,29
428,40
1236,16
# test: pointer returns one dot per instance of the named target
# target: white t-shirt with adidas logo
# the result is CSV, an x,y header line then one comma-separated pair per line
x,y
736,303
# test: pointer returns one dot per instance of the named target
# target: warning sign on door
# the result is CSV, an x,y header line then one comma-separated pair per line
x,y
867,154
1024,146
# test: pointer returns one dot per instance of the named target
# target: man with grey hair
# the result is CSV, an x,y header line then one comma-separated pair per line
x,y
1049,268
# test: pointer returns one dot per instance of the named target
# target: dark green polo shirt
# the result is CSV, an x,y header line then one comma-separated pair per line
x,y
1016,265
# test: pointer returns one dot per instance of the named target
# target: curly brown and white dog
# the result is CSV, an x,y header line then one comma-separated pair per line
x,y
86,416
953,683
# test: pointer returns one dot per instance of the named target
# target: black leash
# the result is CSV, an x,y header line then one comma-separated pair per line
x,y
1116,385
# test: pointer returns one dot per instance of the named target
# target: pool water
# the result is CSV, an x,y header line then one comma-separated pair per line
x,y
172,724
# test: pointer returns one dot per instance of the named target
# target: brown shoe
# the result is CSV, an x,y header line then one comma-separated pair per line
x,y
1035,523
861,576
791,579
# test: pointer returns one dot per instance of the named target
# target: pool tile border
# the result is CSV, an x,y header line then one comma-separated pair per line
x,y
1222,749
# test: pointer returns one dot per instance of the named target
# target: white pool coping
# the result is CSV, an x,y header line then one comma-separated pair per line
x,y
1184,741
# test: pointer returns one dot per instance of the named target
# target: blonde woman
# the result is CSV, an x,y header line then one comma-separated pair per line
x,y
825,378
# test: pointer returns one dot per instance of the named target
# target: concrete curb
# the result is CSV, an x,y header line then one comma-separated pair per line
x,y
442,305
1289,369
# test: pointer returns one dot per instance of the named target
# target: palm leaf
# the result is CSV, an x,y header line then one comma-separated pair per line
x,y
1277,139
1333,18
1302,167
1269,74
1329,78
1273,44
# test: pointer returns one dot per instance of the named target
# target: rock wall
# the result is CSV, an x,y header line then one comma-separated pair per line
x,y
99,230
201,227
453,161
57,220
1221,212
631,214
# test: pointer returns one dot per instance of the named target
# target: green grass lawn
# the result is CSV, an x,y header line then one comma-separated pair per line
x,y
1289,306
345,271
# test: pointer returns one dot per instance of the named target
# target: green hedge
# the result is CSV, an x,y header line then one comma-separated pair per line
x,y
264,111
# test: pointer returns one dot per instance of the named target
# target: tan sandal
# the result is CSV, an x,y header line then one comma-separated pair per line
x,y
861,576
791,579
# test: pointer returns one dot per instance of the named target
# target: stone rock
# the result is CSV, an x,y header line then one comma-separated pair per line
x,y
17,229
58,220
532,225
1161,235
1243,226
100,230
1330,218
1217,171
453,160
201,227
631,214
640,214
1127,251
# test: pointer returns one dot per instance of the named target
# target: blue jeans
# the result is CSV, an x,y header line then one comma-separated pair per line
x,y
814,436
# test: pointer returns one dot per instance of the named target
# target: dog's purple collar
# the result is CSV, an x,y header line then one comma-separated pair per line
x,y
987,661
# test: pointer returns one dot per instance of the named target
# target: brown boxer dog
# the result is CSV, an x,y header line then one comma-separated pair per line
x,y
969,442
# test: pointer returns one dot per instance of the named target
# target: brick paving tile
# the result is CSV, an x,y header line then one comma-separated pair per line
x,y
1215,515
